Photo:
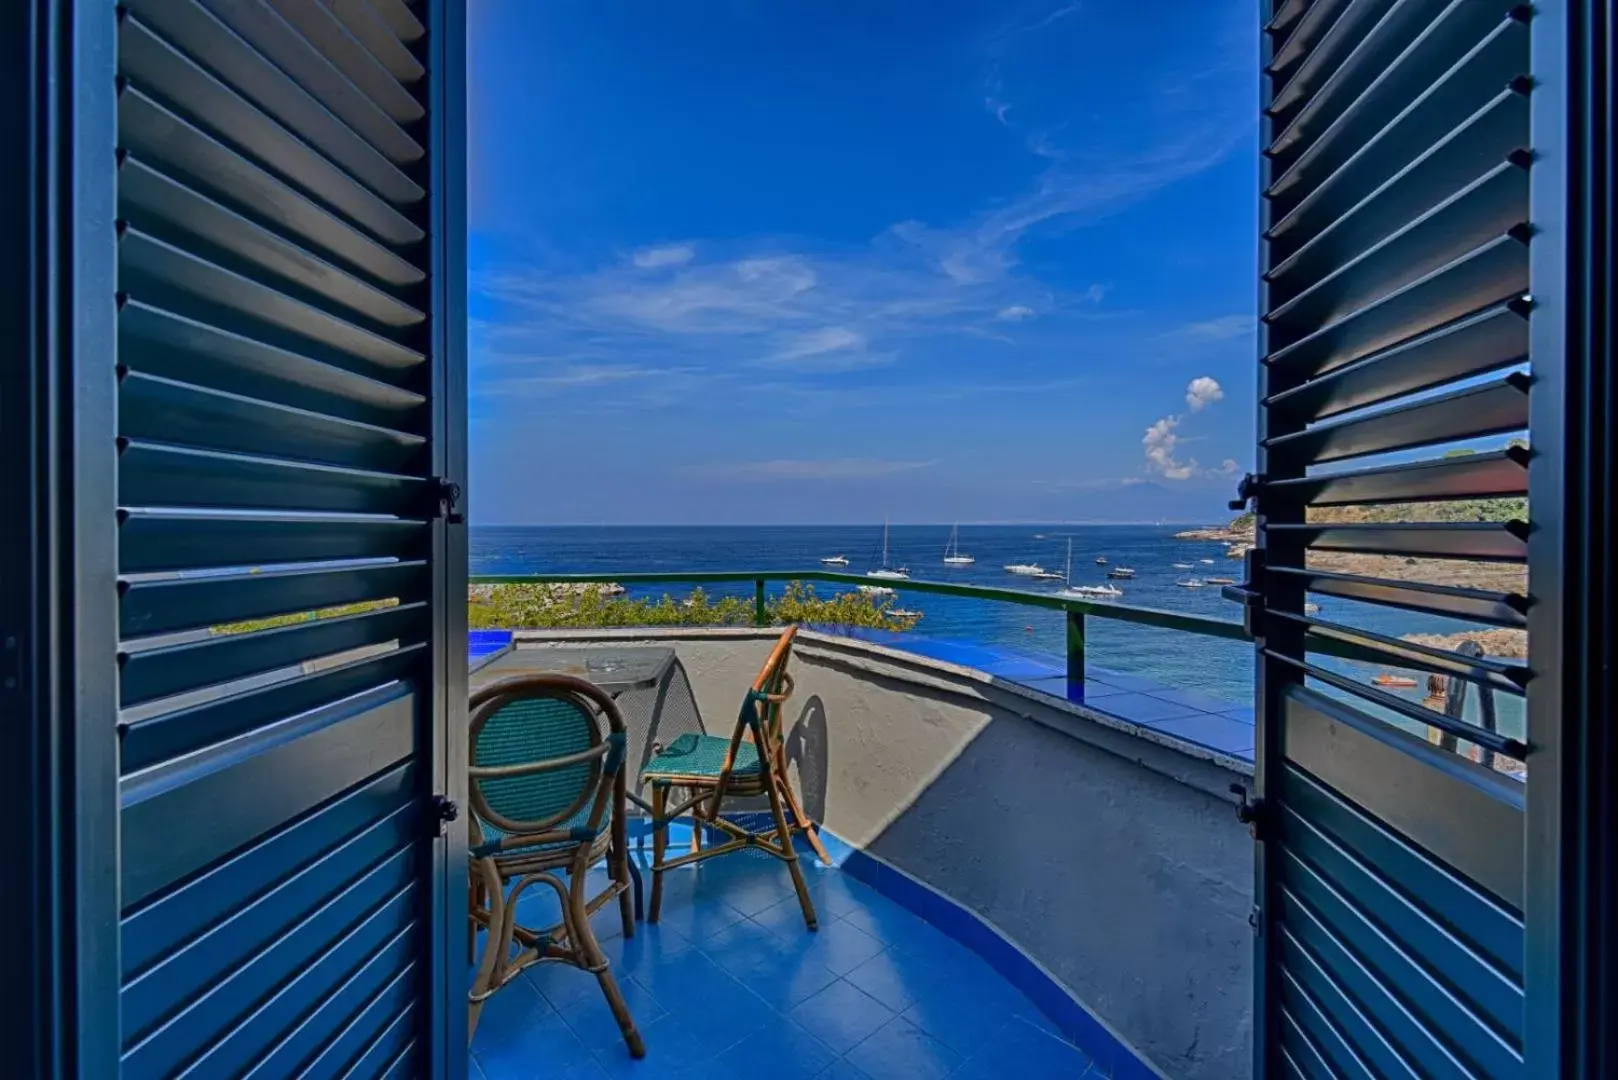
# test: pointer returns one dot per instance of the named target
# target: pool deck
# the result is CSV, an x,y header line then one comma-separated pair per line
x,y
731,984
1185,714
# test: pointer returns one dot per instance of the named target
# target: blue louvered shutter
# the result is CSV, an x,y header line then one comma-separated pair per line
x,y
291,587
1395,370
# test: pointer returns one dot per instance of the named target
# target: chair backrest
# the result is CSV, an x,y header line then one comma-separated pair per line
x,y
770,691
545,732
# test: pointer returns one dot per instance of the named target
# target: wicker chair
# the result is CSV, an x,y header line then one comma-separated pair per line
x,y
547,794
750,763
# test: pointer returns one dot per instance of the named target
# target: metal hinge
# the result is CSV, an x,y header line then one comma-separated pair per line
x,y
1251,812
1245,490
443,811
446,501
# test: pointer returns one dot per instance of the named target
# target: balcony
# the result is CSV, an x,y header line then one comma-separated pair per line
x,y
1038,871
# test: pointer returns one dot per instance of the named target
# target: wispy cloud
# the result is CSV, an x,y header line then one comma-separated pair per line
x,y
1015,313
656,258
1223,328
806,469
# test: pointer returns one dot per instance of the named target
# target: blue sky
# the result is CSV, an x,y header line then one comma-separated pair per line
x,y
783,262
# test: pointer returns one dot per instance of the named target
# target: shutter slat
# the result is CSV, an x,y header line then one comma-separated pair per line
x,y
150,408
150,200
1476,344
1285,18
1473,605
1493,475
404,24
1494,408
1334,69
321,29
1488,208
157,68
270,34
1491,274
148,129
370,29
1399,88
1311,194
171,734
1489,740
156,475
1318,19
153,673
1488,541
1487,138
173,346
154,541
1372,647
149,268
163,606
187,24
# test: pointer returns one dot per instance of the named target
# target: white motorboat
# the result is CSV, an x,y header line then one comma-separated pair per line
x,y
1209,562
1192,583
834,560
1025,569
1093,592
1184,566
952,550
1121,572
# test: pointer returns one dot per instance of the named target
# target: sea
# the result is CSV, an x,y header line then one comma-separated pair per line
x,y
1218,668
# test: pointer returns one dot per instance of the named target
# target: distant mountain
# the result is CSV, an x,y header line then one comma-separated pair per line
x,y
1148,501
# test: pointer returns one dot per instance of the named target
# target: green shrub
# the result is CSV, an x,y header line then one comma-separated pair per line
x,y
546,606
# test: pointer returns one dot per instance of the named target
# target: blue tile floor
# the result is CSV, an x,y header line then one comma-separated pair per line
x,y
730,984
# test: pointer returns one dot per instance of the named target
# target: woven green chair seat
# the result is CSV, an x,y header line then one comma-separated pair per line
x,y
703,756
492,833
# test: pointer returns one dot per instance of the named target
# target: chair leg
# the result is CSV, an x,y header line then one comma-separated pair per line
x,y
810,829
584,941
696,822
784,832
495,946
626,903
660,843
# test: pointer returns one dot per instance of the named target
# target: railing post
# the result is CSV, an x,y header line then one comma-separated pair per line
x,y
760,616
1075,647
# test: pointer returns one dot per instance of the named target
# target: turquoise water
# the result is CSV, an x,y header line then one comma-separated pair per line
x,y
1221,669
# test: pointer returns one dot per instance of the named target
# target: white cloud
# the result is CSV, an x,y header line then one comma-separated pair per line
x,y
657,258
1016,313
1202,392
1160,441
999,108
1097,293
807,469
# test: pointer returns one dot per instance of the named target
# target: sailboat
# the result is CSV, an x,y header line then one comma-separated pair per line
x,y
891,573
1086,592
952,550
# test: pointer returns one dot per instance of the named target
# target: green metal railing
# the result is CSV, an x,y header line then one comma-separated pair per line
x,y
1077,611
